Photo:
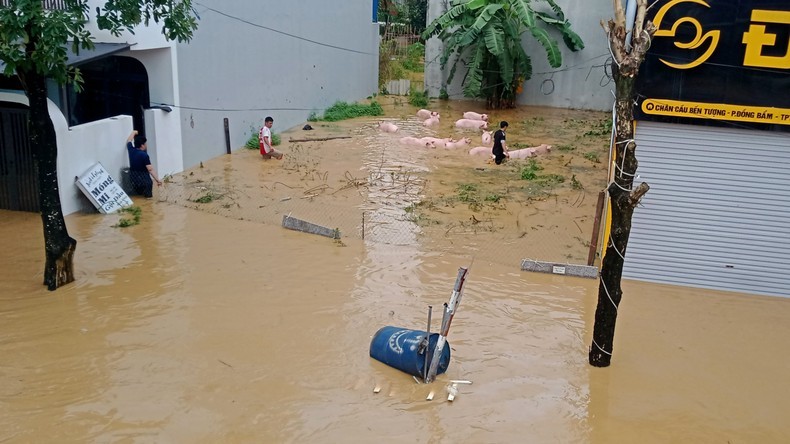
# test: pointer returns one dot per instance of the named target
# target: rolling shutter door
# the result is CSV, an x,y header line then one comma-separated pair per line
x,y
718,211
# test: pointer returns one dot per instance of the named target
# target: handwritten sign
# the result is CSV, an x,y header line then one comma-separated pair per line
x,y
103,191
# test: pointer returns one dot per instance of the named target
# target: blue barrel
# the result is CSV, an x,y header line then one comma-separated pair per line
x,y
398,348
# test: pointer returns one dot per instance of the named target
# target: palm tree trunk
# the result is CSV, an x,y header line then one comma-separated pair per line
x,y
59,246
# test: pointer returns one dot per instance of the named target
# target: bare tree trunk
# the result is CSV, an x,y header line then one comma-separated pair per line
x,y
59,246
623,197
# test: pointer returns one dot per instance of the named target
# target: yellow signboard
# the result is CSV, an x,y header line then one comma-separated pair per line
x,y
718,111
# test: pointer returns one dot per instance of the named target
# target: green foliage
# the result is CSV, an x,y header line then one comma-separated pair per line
x,y
418,98
207,198
566,147
253,143
135,213
467,192
530,170
601,128
592,157
550,179
343,111
43,50
408,12
414,58
443,94
490,31
493,198
393,64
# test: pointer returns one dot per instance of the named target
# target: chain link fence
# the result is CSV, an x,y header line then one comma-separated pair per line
x,y
396,197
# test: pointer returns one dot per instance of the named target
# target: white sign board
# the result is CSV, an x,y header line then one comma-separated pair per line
x,y
103,191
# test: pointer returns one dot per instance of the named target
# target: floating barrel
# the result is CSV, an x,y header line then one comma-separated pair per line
x,y
398,348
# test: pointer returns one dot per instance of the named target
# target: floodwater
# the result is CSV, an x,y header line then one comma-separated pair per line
x,y
201,327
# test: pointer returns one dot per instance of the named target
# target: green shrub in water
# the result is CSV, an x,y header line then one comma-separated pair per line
x,y
253,142
344,111
418,98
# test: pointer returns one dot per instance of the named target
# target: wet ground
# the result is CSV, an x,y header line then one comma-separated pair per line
x,y
201,327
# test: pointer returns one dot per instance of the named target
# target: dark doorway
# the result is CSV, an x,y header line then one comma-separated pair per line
x,y
111,86
18,184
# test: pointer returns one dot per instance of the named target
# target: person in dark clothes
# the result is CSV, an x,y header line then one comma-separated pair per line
x,y
500,147
140,169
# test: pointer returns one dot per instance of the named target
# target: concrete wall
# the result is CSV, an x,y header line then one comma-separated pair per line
x,y
579,83
79,147
255,58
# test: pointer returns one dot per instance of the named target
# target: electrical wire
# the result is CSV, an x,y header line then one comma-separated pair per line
x,y
256,25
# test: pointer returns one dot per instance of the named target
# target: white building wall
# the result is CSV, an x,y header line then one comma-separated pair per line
x,y
255,58
579,83
79,147
164,143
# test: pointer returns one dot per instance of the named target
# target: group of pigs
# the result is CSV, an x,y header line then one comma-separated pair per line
x,y
470,120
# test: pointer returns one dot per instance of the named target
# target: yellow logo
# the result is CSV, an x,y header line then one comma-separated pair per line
x,y
712,37
756,38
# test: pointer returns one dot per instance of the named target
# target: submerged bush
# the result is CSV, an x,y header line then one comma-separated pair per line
x,y
344,111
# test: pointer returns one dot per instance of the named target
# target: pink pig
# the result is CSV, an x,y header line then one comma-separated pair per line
x,y
426,114
523,153
437,142
459,144
472,124
471,115
486,138
542,149
388,127
433,120
480,151
408,140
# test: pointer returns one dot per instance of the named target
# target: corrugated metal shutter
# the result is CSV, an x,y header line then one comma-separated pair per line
x,y
718,211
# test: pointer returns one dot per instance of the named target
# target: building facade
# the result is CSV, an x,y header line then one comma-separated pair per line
x,y
247,60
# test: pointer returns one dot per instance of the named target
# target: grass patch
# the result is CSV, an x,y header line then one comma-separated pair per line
x,y
601,128
134,213
592,157
467,192
530,170
566,147
343,111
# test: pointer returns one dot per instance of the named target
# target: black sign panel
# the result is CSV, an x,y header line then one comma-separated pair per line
x,y
718,61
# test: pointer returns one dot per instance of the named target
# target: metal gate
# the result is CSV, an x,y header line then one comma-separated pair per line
x,y
718,211
18,183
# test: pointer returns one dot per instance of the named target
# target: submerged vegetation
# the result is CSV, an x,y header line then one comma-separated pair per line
x,y
134,213
253,142
343,111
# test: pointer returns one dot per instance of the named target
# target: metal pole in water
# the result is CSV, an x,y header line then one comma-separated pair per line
x,y
447,319
427,345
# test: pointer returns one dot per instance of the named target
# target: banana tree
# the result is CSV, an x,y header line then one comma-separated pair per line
x,y
489,31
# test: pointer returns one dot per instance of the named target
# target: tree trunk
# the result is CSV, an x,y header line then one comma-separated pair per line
x,y
623,197
59,246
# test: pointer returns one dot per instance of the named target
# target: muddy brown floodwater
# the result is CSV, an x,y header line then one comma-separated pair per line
x,y
207,322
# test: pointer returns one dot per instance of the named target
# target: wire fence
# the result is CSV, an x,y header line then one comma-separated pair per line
x,y
391,200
